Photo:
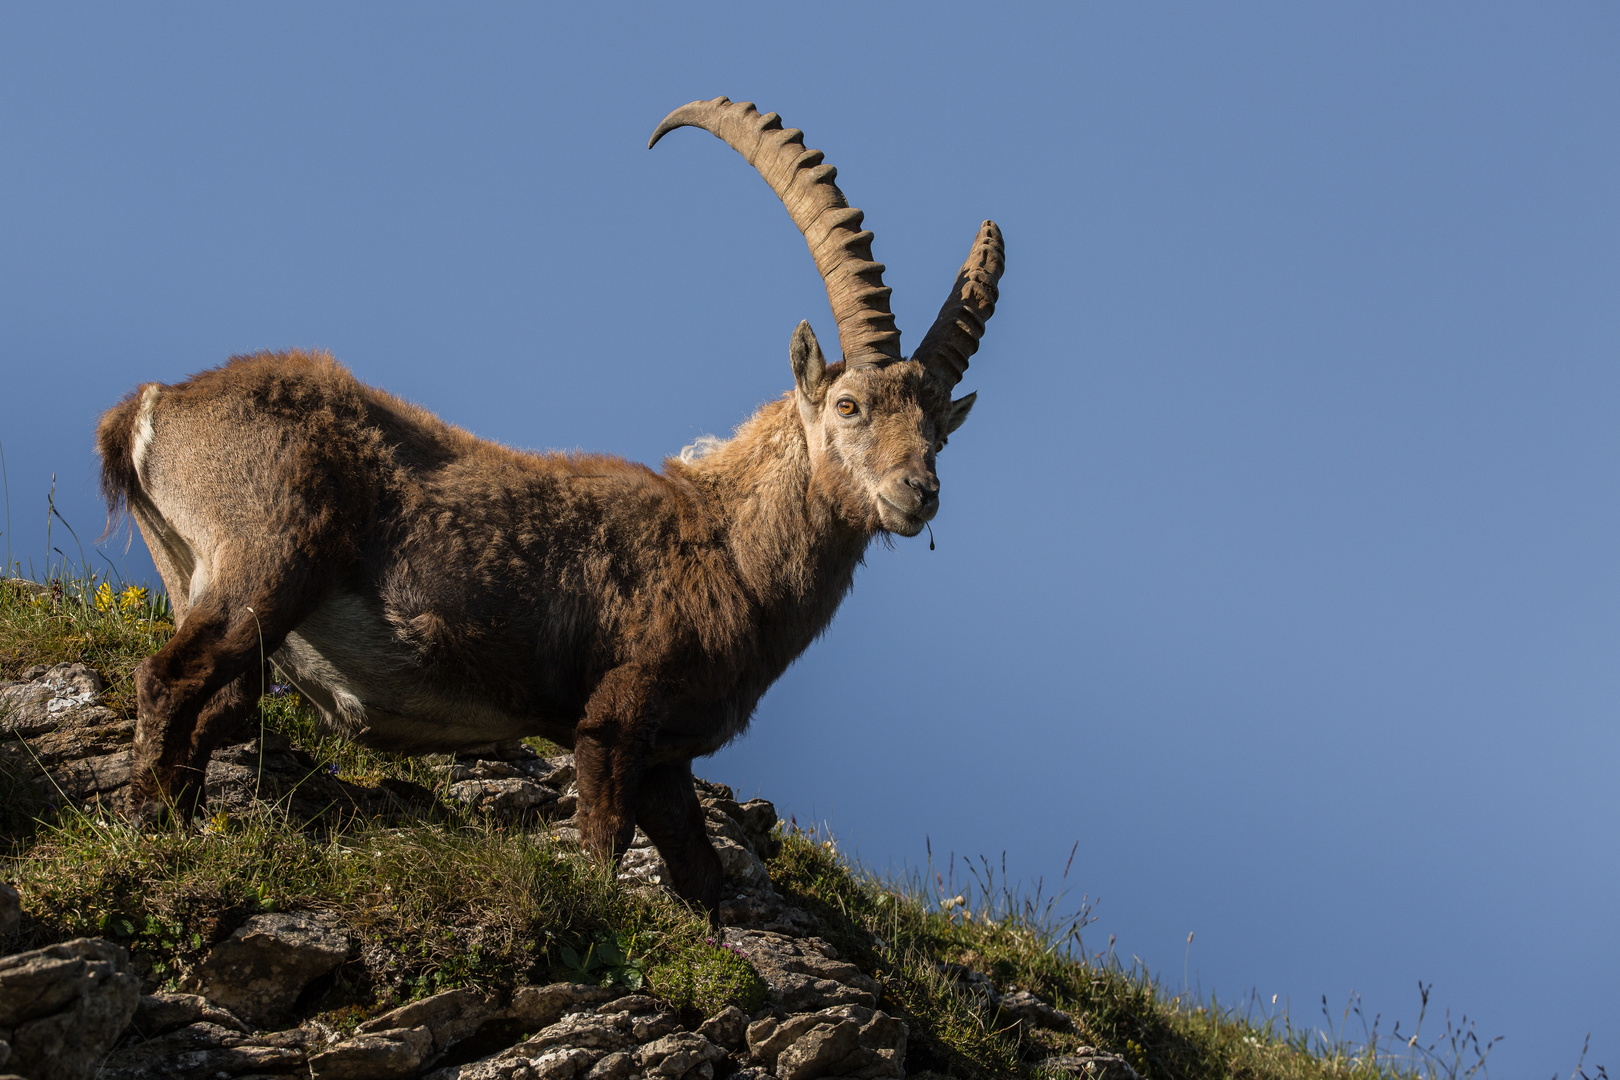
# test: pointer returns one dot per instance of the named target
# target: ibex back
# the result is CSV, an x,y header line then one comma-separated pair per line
x,y
430,591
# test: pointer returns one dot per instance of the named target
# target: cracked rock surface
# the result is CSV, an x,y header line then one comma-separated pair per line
x,y
258,972
63,1007
1091,1064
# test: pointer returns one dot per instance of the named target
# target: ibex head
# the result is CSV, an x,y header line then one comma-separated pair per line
x,y
876,420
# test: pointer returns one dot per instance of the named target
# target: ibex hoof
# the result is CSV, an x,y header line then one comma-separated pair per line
x,y
148,811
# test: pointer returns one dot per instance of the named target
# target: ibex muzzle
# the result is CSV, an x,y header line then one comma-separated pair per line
x,y
429,591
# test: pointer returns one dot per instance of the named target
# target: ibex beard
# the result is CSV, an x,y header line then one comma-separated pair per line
x,y
429,591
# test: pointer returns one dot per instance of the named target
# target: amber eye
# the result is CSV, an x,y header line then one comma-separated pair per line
x,y
846,407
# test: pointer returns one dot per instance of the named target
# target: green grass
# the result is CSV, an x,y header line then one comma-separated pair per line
x,y
435,907
59,622
904,932
447,900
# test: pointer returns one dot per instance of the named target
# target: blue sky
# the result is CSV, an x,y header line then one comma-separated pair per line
x,y
1279,564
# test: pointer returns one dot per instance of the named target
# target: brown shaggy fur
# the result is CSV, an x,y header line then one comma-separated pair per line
x,y
430,591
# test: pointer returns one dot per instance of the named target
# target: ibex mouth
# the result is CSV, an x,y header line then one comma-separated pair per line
x,y
907,521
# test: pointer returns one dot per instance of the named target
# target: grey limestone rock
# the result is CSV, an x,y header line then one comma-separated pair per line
x,y
803,974
460,771
1033,1011
205,1051
742,867
541,1006
767,1038
508,796
42,703
97,774
634,1004
378,1055
677,1054
819,1051
81,744
65,1006
160,1013
1091,1064
727,1028
755,821
564,1063
728,825
272,771
591,1031
259,971
562,774
556,773
764,909
642,865
615,1066
846,1041
648,1018
449,1016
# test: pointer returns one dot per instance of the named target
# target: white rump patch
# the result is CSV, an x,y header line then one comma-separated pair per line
x,y
701,447
199,584
143,431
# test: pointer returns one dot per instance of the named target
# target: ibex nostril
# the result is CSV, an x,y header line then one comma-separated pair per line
x,y
926,487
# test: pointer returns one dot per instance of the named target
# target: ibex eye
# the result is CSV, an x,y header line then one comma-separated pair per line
x,y
847,407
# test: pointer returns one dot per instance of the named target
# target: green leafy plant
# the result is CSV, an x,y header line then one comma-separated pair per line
x,y
606,962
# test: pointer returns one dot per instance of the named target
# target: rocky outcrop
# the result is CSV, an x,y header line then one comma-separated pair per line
x,y
78,751
79,742
378,1055
258,972
804,974
511,780
75,1008
272,772
161,1013
46,697
1018,1006
1089,1063
205,1051
848,1040
63,1007
452,1016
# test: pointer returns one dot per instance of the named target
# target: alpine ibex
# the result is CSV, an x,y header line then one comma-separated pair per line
x,y
430,591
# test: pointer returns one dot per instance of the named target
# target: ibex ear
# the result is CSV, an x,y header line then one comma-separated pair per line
x,y
959,411
809,366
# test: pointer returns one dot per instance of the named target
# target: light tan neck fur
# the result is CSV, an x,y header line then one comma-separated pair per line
x,y
788,542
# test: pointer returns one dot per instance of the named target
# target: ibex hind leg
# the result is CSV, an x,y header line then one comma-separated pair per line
x,y
197,692
668,811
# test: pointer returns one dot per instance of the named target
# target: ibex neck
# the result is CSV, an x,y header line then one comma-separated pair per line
x,y
788,543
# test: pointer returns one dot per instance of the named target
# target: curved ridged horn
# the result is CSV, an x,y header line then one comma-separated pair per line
x,y
842,250
955,335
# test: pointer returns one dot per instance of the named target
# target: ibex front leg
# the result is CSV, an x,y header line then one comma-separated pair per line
x,y
668,811
618,786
